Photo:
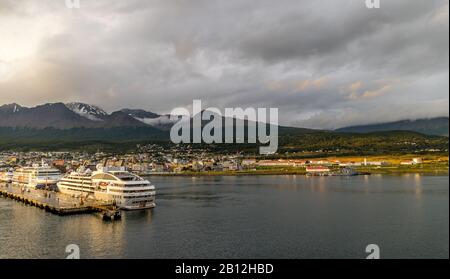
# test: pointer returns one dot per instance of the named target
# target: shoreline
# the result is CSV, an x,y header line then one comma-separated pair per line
x,y
303,173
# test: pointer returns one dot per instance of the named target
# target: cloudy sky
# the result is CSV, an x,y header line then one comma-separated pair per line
x,y
324,64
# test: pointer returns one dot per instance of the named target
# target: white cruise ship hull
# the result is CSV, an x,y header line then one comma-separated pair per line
x,y
6,179
71,192
36,184
36,177
123,189
124,203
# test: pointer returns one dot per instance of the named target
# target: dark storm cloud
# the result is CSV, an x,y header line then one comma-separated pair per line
x,y
324,64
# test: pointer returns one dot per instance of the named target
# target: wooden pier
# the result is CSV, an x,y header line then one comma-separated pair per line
x,y
58,203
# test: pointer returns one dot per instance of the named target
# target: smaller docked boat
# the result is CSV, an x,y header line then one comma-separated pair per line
x,y
6,176
37,177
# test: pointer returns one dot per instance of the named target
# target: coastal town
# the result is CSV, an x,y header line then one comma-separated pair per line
x,y
70,182
183,160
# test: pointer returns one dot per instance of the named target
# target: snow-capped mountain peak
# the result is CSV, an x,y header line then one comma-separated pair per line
x,y
88,111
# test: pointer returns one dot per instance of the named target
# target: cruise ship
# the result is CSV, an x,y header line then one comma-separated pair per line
x,y
37,177
110,184
6,176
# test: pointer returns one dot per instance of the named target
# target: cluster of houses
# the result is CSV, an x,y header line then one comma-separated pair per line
x,y
161,161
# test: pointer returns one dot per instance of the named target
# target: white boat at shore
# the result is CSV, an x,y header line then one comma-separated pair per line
x,y
110,184
37,176
6,176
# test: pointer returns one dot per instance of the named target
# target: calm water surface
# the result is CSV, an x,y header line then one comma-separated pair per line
x,y
250,217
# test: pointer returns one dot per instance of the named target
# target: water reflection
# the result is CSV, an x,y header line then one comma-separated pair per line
x,y
418,185
249,217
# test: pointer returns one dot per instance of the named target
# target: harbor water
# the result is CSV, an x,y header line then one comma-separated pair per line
x,y
407,216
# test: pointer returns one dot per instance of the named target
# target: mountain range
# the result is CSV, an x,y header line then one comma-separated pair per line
x,y
80,115
78,125
76,115
431,126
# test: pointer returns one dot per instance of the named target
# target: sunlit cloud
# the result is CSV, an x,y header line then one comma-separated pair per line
x,y
321,64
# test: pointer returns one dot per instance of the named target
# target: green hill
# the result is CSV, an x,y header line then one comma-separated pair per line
x,y
433,126
290,140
